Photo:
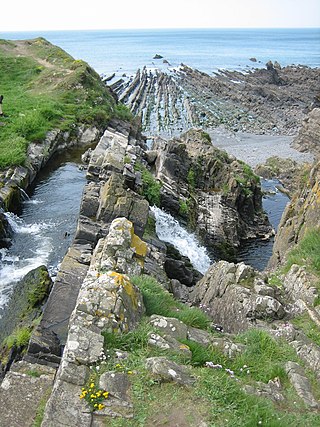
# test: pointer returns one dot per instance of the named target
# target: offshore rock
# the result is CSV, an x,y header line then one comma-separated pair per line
x,y
231,300
271,100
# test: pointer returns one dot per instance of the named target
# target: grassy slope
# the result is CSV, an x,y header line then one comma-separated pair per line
x,y
45,88
217,396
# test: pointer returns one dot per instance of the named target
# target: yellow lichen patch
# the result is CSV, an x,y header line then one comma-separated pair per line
x,y
139,246
122,280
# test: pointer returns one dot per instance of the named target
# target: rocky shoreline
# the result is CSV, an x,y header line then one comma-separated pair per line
x,y
117,271
270,101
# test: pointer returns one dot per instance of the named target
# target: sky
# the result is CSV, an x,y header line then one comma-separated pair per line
x,y
33,15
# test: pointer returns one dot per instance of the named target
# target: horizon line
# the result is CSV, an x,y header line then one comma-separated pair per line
x,y
161,29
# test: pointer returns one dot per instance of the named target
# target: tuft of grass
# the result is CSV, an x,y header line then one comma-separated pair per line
x,y
307,252
159,301
308,327
20,338
150,186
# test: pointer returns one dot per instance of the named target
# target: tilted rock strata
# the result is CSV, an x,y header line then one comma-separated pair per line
x,y
107,301
308,138
301,215
222,196
270,100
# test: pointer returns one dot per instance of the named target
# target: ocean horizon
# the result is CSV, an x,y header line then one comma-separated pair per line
x,y
124,51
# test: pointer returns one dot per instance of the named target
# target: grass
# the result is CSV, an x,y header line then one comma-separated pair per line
x,y
45,88
306,253
150,186
308,327
217,398
19,338
41,409
159,301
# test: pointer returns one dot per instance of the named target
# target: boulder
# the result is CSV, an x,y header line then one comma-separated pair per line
x,y
165,370
228,293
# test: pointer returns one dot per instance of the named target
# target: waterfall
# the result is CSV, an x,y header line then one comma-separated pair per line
x,y
169,230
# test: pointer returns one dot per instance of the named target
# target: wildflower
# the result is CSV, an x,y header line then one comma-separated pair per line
x,y
130,372
248,371
91,385
106,394
101,406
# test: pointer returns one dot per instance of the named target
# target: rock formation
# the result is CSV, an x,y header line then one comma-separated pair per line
x,y
270,100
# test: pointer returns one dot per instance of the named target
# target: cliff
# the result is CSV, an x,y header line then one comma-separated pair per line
x,y
51,102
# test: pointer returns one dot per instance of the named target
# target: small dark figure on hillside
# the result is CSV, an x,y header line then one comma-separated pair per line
x,y
1,98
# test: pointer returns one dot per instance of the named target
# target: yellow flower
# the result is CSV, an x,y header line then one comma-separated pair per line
x,y
81,396
106,394
93,396
95,405
91,385
130,372
100,406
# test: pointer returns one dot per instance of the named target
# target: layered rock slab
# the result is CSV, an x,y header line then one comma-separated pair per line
x,y
107,301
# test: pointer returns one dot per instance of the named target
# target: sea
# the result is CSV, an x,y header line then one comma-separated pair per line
x,y
124,51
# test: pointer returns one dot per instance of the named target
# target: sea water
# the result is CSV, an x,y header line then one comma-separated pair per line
x,y
124,51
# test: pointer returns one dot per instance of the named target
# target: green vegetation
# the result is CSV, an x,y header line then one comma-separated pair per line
x,y
45,88
308,327
306,252
20,338
183,207
191,179
150,186
40,410
159,301
217,396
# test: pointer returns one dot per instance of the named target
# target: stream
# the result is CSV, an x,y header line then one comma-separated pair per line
x,y
45,229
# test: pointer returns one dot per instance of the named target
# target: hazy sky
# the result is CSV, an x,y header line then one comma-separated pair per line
x,y
20,15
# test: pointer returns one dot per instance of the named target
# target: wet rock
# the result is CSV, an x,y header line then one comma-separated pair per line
x,y
157,56
26,301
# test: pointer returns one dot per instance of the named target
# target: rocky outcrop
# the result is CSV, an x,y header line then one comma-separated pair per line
x,y
299,216
217,196
270,100
236,297
24,307
107,301
308,138
106,197
23,391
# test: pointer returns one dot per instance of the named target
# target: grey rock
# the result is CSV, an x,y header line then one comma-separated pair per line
x,y
170,326
301,384
169,343
167,371
271,390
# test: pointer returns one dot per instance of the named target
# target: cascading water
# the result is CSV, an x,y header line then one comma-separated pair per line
x,y
43,232
169,230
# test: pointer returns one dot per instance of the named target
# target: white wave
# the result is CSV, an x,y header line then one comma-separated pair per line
x,y
169,230
19,226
